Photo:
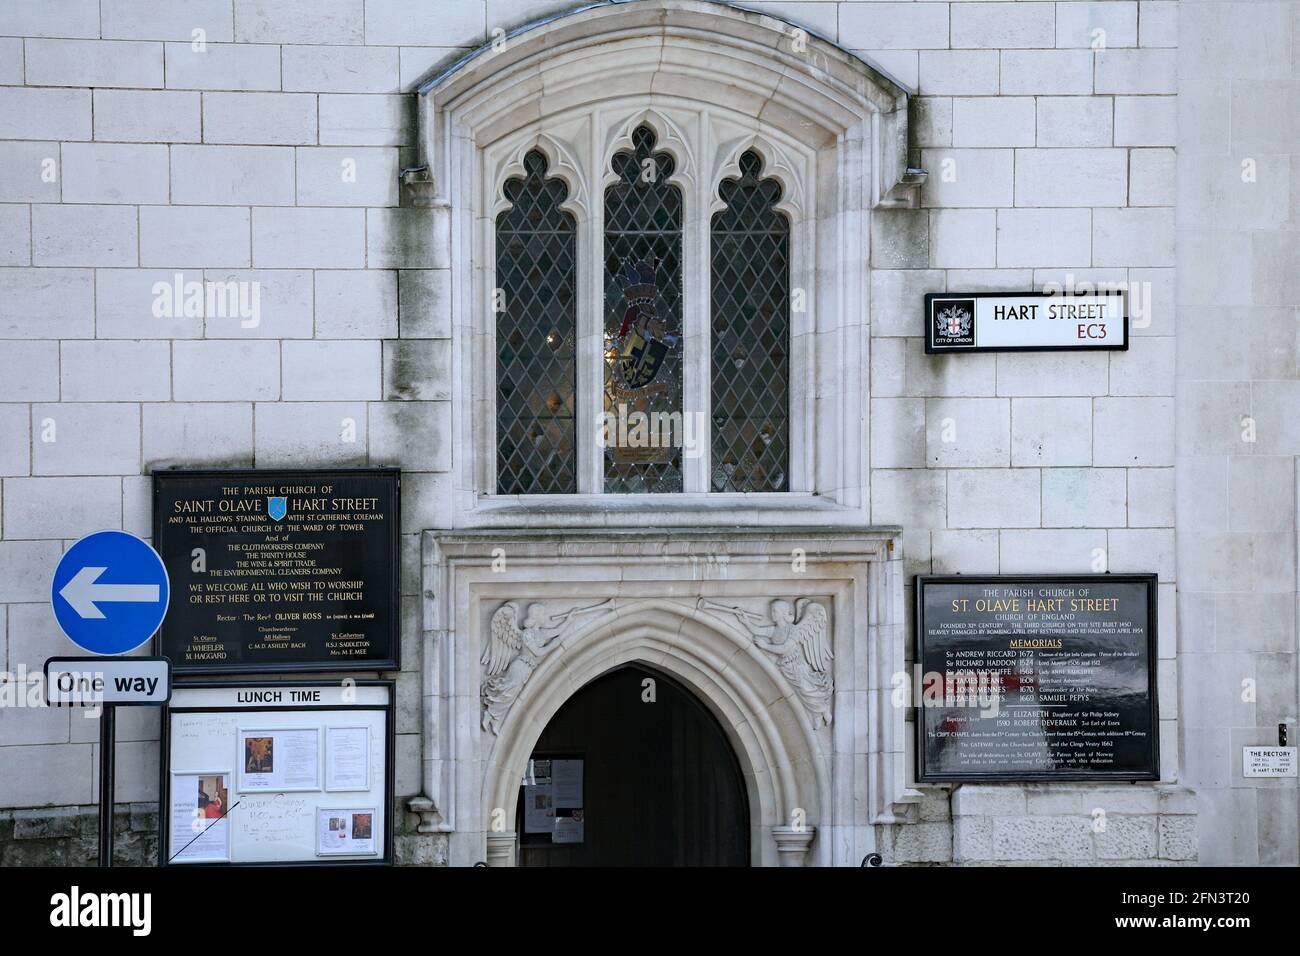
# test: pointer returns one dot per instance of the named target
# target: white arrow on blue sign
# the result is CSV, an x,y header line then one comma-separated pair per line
x,y
109,592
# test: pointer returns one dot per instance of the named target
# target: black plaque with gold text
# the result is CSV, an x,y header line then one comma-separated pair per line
x,y
1036,677
279,570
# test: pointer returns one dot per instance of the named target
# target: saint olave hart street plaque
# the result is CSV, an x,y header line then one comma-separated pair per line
x,y
279,571
1048,677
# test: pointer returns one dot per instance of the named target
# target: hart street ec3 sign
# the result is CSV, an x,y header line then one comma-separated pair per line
x,y
1025,321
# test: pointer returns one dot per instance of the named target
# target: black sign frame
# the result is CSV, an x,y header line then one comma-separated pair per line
x,y
390,769
931,348
1151,772
392,662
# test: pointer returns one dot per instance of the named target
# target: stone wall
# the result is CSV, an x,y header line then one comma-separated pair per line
x,y
1048,825
1238,430
69,836
264,151
1074,825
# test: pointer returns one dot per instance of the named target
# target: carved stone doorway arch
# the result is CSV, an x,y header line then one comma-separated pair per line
x,y
517,622
784,764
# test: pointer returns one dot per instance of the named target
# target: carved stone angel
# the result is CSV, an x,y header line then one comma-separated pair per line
x,y
512,652
798,637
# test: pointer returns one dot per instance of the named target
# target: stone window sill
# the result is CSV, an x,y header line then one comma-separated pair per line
x,y
658,511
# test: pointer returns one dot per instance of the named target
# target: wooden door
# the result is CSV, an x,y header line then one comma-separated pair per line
x,y
661,784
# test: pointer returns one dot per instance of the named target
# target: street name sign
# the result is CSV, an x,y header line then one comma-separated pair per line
x,y
1025,321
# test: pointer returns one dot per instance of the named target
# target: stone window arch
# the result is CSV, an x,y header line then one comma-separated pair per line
x,y
713,85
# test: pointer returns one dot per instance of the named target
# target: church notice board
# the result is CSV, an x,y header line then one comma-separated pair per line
x,y
279,571
283,772
1047,677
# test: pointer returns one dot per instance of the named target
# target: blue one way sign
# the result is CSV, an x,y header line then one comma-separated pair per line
x,y
109,592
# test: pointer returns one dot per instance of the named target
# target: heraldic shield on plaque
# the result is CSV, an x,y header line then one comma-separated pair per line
x,y
643,337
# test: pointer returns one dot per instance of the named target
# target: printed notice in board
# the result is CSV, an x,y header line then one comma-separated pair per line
x,y
280,760
568,828
200,829
345,831
539,806
347,758
566,783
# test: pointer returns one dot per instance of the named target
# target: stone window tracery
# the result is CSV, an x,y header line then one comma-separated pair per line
x,y
711,85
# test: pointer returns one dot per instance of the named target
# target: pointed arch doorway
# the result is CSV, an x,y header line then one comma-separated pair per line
x,y
660,783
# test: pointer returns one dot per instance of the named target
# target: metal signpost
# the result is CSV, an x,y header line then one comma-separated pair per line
x,y
109,595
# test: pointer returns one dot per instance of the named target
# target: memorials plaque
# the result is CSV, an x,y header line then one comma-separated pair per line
x,y
279,570
1036,678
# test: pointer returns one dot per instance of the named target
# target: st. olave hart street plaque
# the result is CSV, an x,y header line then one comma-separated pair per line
x,y
279,571
1036,678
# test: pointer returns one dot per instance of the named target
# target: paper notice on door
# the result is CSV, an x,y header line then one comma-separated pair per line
x,y
539,809
566,783
568,828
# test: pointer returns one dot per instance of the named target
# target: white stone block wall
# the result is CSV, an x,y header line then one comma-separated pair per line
x,y
1049,132
1238,417
266,155
1047,462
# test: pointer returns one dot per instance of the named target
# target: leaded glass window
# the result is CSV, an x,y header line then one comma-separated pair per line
x,y
643,322
536,336
751,335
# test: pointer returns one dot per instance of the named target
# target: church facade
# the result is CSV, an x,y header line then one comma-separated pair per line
x,y
634,295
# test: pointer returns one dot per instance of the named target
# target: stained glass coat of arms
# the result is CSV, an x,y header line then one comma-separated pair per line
x,y
643,316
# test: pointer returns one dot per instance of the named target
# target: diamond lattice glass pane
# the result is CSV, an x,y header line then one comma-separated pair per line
x,y
751,335
536,336
643,316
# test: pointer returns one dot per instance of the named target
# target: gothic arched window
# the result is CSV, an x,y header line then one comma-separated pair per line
x,y
536,336
647,342
643,322
751,335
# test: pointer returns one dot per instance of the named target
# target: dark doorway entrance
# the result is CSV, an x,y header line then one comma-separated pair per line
x,y
661,785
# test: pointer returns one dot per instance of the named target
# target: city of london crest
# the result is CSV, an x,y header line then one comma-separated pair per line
x,y
954,322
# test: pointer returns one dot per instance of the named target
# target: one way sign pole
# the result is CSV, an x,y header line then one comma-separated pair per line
x,y
107,766
107,683
109,595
